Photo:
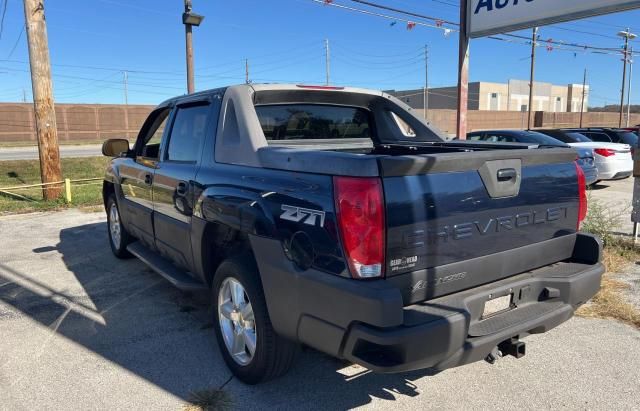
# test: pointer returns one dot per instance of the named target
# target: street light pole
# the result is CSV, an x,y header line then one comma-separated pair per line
x,y
190,19
627,36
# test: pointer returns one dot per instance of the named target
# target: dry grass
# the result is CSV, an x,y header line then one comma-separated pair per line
x,y
610,301
209,400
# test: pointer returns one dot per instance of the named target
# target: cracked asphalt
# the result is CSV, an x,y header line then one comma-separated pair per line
x,y
82,330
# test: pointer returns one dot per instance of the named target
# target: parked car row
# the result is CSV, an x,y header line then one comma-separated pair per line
x,y
603,153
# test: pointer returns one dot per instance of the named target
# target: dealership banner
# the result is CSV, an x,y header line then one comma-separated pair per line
x,y
486,17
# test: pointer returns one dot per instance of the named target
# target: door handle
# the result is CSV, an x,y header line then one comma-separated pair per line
x,y
148,179
182,188
507,174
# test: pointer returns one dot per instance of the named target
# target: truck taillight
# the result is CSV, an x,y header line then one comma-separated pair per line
x,y
582,195
605,152
360,216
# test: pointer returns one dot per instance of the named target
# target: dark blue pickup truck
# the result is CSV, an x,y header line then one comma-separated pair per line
x,y
336,218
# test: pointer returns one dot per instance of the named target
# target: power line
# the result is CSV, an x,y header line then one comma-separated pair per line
x,y
407,13
386,16
15,45
440,22
4,12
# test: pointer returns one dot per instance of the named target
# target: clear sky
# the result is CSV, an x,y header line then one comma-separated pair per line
x,y
93,41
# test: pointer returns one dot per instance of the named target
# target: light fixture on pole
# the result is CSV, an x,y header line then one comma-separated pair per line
x,y
190,19
627,35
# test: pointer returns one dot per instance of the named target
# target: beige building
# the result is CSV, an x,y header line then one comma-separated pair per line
x,y
513,96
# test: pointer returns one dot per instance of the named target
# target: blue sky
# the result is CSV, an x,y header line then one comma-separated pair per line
x,y
284,42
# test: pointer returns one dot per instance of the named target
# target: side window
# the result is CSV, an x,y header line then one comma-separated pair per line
x,y
474,137
149,146
188,132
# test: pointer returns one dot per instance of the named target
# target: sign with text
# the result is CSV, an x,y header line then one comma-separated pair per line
x,y
486,17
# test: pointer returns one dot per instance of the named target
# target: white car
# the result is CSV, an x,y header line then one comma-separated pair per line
x,y
613,160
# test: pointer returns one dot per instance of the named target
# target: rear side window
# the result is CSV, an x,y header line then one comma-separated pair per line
x,y
188,133
628,137
599,137
500,138
313,121
578,138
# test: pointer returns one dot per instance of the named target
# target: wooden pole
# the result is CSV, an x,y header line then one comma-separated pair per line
x,y
327,62
46,127
584,92
624,75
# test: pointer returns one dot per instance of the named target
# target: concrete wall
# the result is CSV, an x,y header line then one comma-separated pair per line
x,y
76,122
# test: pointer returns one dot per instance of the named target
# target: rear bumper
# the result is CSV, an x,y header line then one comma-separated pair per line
x,y
366,323
612,170
448,332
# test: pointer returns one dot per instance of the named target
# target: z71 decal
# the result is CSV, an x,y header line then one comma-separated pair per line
x,y
298,214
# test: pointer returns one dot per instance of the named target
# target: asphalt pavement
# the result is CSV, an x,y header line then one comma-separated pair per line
x,y
31,153
80,329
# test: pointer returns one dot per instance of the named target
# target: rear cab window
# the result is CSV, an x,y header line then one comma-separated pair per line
x,y
314,122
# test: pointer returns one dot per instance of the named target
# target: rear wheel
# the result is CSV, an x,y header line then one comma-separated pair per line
x,y
119,238
249,345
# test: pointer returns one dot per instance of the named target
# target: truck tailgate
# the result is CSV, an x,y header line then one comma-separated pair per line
x,y
456,224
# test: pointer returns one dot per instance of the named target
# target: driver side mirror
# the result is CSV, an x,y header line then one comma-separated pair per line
x,y
114,147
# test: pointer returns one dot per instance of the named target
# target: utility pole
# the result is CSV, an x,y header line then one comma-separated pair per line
x,y
24,95
425,96
190,19
463,73
584,92
629,87
627,36
327,59
125,81
246,71
534,39
46,128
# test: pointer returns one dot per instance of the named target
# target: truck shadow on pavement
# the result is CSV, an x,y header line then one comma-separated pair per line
x,y
133,318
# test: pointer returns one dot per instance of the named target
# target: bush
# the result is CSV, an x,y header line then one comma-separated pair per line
x,y
603,220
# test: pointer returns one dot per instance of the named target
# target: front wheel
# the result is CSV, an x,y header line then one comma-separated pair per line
x,y
119,238
249,345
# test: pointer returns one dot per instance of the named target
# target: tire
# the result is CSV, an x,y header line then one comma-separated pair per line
x,y
119,237
272,355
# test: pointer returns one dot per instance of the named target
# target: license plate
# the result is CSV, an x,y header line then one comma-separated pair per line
x,y
496,305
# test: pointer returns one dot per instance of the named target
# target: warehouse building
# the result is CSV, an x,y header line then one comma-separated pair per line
x,y
512,96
